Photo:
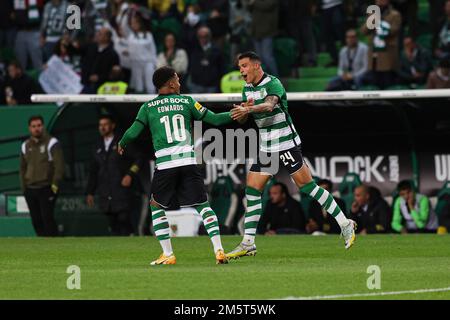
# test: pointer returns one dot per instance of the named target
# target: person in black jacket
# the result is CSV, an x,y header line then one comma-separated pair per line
x,y
206,65
319,219
97,61
18,86
111,177
282,215
370,211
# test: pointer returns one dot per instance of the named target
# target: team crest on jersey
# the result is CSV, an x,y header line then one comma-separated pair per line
x,y
199,107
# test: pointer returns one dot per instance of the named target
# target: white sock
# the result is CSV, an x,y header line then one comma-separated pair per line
x,y
217,244
248,239
341,219
167,247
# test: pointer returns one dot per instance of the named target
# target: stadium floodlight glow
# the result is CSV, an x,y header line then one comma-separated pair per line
x,y
236,97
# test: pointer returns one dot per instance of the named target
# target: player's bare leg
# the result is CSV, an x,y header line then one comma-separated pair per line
x,y
161,229
255,185
306,184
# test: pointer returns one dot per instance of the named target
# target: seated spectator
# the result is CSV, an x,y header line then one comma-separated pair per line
x,y
19,86
370,211
282,214
206,65
443,37
173,56
53,25
97,61
412,211
142,53
114,85
264,28
415,64
352,64
192,21
383,54
320,220
440,77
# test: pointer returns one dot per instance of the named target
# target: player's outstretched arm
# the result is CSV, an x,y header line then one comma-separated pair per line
x,y
217,119
131,134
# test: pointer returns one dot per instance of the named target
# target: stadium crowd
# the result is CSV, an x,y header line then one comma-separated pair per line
x,y
121,42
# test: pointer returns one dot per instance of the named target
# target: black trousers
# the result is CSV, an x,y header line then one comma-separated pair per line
x,y
41,203
120,223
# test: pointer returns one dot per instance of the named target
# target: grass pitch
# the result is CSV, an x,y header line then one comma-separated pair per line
x,y
285,266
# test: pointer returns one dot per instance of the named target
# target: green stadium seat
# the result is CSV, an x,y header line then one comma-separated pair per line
x,y
34,74
318,72
307,85
323,59
349,182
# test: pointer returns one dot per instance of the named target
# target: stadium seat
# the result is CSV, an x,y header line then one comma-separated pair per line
x,y
318,72
306,85
349,182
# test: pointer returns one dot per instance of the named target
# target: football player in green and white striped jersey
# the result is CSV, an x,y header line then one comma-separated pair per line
x,y
264,98
169,117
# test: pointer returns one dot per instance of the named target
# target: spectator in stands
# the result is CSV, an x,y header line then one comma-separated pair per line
x,y
53,25
115,83
383,52
436,19
320,220
415,64
282,214
412,211
370,211
408,10
352,64
332,25
217,12
173,56
27,17
111,178
121,13
7,27
142,53
440,77
299,26
191,23
97,61
443,37
239,21
69,53
263,29
206,64
19,86
41,171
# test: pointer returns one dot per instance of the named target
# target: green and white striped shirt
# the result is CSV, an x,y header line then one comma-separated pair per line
x,y
169,118
276,130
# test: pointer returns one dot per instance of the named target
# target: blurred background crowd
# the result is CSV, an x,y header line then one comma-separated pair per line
x,y
313,45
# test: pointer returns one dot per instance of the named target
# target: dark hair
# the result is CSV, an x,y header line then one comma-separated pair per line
x,y
162,75
284,189
251,55
404,185
106,116
325,181
16,64
444,63
34,118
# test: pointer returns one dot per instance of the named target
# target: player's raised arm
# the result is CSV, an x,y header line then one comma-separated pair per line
x,y
136,128
202,113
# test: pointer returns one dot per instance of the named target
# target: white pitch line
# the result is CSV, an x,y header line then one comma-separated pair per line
x,y
339,296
